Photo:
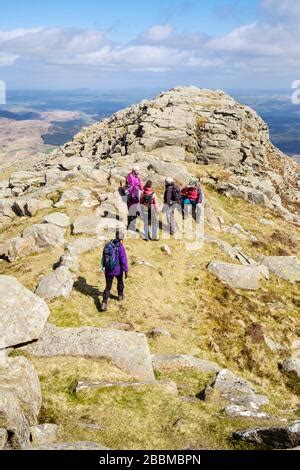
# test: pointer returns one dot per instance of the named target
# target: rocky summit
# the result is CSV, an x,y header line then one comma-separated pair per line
x,y
203,352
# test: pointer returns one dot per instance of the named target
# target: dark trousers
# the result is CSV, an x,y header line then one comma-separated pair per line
x,y
109,283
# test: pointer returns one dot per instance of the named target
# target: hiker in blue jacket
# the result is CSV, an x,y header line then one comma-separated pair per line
x,y
114,265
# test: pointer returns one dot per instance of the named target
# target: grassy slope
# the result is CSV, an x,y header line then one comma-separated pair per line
x,y
204,317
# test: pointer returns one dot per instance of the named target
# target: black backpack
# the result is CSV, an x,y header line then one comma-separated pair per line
x,y
176,194
110,257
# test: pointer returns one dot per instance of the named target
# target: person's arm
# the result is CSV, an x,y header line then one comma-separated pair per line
x,y
140,184
123,259
129,180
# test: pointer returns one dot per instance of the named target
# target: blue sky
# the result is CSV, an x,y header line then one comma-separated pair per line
x,y
127,44
121,17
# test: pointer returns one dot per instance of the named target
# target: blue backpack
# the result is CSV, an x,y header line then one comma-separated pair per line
x,y
111,257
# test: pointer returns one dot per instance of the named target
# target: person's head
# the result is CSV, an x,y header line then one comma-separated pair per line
x,y
193,183
136,170
169,181
148,185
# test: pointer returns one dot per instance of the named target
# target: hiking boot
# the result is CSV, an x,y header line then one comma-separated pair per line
x,y
120,297
103,307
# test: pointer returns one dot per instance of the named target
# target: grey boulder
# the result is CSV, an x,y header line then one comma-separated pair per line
x,y
45,235
13,420
18,375
57,284
22,314
235,390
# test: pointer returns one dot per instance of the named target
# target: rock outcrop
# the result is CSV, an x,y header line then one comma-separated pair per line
x,y
235,390
13,420
22,314
286,267
273,437
19,376
57,284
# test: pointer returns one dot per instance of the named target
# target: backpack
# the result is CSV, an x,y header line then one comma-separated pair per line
x,y
176,194
147,199
111,255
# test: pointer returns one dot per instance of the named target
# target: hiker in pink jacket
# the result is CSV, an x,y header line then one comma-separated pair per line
x,y
134,183
134,186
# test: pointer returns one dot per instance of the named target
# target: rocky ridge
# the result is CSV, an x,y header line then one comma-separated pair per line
x,y
58,212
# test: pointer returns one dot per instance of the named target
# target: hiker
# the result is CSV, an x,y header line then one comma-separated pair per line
x,y
192,196
133,191
172,200
114,265
149,208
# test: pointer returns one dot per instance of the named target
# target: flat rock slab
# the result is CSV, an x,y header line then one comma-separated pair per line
x,y
83,445
236,276
285,267
167,386
275,437
57,284
59,219
128,350
172,362
22,314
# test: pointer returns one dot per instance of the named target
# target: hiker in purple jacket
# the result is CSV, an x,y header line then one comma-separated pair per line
x,y
114,265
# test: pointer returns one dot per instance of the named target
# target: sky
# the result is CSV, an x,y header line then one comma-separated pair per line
x,y
117,44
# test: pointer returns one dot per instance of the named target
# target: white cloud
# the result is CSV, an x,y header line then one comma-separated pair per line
x,y
271,43
156,34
